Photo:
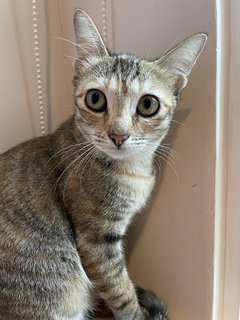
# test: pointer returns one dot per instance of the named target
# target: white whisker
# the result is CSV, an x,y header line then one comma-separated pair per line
x,y
165,155
149,49
74,43
161,156
76,159
69,147
178,122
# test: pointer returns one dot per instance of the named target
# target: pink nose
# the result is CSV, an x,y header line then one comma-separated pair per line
x,y
117,139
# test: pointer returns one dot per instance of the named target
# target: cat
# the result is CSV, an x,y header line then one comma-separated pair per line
x,y
66,199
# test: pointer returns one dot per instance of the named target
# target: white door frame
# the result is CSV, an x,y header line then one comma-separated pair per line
x,y
226,289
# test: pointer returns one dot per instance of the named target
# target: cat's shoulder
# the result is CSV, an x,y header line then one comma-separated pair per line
x,y
26,153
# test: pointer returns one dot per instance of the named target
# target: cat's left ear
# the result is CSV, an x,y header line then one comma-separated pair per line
x,y
177,63
88,39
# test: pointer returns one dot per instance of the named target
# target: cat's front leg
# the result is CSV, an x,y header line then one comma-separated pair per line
x,y
104,264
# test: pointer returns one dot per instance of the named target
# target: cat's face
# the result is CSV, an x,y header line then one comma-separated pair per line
x,y
124,105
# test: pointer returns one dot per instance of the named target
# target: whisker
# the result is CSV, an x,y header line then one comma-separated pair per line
x,y
81,155
74,169
178,122
74,43
84,166
73,153
62,160
84,64
170,151
149,49
171,165
70,57
151,68
159,154
165,155
95,152
145,150
69,147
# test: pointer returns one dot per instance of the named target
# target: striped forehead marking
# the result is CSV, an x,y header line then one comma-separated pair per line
x,y
114,84
126,67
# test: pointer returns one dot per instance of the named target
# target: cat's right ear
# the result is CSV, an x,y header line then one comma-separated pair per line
x,y
89,43
177,63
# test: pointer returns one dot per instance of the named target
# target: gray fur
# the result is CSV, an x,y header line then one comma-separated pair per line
x,y
68,198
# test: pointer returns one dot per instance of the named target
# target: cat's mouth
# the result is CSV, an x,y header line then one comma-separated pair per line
x,y
118,153
129,149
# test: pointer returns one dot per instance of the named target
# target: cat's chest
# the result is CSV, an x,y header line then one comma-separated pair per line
x,y
118,193
132,190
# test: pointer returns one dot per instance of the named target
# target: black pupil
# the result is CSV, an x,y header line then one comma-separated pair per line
x,y
147,103
95,98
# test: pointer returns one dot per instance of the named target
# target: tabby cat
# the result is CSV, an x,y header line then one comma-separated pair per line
x,y
67,198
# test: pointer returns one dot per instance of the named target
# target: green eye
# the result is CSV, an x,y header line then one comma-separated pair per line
x,y
96,100
148,106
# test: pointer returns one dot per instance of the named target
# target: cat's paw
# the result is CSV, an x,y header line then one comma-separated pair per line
x,y
155,306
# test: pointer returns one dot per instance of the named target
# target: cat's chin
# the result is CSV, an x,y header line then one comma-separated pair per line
x,y
119,154
128,153
122,154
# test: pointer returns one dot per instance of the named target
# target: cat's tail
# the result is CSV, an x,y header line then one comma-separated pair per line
x,y
155,306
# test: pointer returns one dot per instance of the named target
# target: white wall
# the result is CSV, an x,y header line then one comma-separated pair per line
x,y
171,245
15,115
19,108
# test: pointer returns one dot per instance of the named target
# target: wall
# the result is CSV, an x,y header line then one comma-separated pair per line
x,y
170,247
15,120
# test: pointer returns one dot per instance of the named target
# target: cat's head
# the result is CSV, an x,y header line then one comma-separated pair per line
x,y
124,104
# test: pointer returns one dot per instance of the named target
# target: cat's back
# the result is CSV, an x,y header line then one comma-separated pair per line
x,y
23,169
28,154
39,264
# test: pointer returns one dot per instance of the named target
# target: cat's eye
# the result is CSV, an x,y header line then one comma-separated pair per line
x,y
148,106
96,100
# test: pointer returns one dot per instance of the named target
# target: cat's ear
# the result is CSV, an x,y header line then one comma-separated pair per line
x,y
178,62
88,39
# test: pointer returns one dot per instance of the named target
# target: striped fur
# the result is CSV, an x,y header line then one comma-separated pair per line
x,y
67,199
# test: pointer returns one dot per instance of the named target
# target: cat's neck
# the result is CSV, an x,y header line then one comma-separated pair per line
x,y
137,164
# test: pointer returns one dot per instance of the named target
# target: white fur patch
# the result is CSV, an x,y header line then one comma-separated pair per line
x,y
135,86
113,84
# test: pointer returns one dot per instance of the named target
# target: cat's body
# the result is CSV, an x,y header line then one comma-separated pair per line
x,y
67,199
37,222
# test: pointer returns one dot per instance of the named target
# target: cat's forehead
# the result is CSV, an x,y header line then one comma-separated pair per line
x,y
123,76
124,73
125,67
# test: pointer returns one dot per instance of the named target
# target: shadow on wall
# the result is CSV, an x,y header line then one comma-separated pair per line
x,y
140,221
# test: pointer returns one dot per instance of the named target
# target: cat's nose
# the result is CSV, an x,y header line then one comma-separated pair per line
x,y
118,139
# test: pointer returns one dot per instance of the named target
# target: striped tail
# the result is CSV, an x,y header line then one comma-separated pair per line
x,y
155,306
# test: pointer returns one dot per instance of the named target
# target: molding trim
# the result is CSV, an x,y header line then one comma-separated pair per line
x,y
107,27
223,32
38,67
